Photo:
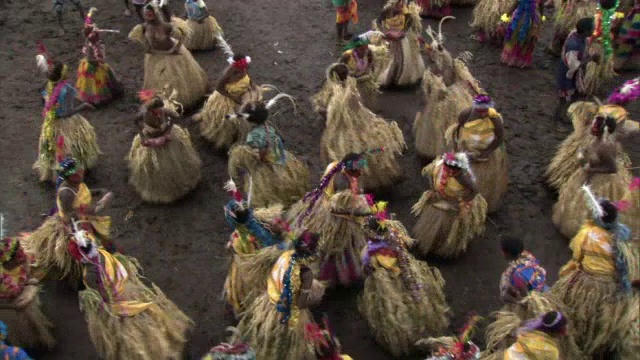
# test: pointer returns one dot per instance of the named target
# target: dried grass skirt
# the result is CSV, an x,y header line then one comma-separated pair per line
x,y
492,178
28,327
165,173
203,34
407,66
215,128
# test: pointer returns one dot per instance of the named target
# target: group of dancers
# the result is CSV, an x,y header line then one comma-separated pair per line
x,y
291,241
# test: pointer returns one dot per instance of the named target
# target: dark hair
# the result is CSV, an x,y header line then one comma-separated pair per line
x,y
548,320
56,73
351,157
610,212
237,57
607,4
611,123
155,103
341,71
585,26
373,224
306,243
512,246
258,112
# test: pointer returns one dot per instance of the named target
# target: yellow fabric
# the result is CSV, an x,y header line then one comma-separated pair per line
x,y
243,246
592,252
232,296
388,262
275,281
453,189
83,197
239,87
477,134
346,357
398,22
113,280
533,345
614,111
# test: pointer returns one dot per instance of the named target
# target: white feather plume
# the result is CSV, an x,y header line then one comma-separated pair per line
x,y
41,62
230,186
248,59
370,34
250,196
593,202
275,99
222,43
2,231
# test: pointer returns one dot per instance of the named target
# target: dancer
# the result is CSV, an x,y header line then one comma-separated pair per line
x,y
601,43
522,34
487,22
323,342
235,349
163,164
126,318
435,8
10,352
454,348
336,210
274,323
403,298
258,239
234,89
346,10
574,59
352,128
595,285
362,64
452,213
480,134
48,244
166,61
402,27
538,338
601,168
204,27
97,83
62,120
58,8
566,16
627,53
19,299
278,176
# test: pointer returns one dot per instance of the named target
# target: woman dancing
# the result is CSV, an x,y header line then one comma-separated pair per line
x,y
204,27
522,34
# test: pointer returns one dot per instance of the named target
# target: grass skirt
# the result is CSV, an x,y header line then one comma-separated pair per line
x,y
49,247
165,173
598,73
214,127
446,233
566,17
442,106
631,217
396,320
565,162
519,53
180,72
28,327
247,277
435,8
96,82
486,18
571,210
272,183
203,34
352,128
601,318
492,178
406,66
341,237
79,141
270,339
159,332
180,29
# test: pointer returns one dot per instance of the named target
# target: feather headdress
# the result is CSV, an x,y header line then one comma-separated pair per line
x,y
438,38
593,202
626,93
231,188
43,59
88,20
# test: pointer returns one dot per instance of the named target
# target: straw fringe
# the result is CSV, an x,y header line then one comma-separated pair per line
x,y
222,132
203,34
28,327
597,74
487,14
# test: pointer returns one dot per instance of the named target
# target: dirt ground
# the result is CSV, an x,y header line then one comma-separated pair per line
x,y
181,246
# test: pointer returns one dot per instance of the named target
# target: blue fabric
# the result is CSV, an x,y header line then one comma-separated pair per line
x,y
195,12
573,43
526,11
66,101
266,137
264,236
12,353
533,275
621,233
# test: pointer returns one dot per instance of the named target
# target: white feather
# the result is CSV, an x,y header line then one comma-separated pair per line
x,y
250,191
593,202
275,99
248,59
230,186
222,43
370,34
41,62
2,226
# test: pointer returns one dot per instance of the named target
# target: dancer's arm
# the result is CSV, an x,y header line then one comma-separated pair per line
x,y
498,132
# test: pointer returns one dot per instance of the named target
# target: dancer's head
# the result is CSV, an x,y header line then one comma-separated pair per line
x,y
240,62
58,71
353,164
610,211
11,253
604,123
511,247
456,161
306,243
338,72
149,13
554,323
69,171
256,112
482,104
585,26
607,4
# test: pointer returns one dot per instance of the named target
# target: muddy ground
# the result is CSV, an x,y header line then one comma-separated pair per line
x,y
181,246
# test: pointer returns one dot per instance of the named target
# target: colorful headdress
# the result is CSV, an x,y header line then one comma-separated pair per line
x,y
8,247
322,340
437,39
458,160
88,20
235,349
43,59
462,348
240,204
66,168
483,102
84,246
626,93
539,323
4,331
